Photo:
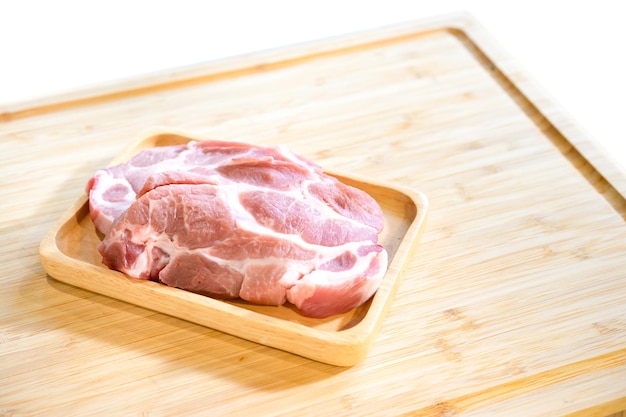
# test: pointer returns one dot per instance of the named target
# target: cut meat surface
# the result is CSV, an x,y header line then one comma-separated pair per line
x,y
232,220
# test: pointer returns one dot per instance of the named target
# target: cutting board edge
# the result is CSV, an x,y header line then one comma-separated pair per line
x,y
553,112
462,23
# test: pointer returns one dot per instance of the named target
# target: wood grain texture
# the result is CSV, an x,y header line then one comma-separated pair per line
x,y
513,304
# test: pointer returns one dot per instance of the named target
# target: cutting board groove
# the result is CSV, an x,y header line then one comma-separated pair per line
x,y
565,147
185,77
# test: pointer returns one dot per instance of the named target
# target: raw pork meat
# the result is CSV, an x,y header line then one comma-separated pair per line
x,y
230,220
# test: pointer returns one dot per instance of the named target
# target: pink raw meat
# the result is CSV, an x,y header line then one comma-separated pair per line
x,y
232,220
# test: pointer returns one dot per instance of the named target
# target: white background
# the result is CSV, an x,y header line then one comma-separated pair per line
x,y
574,49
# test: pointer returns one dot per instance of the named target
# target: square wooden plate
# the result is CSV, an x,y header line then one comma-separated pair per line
x,y
68,253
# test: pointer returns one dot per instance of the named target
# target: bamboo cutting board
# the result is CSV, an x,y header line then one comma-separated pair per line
x,y
513,303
